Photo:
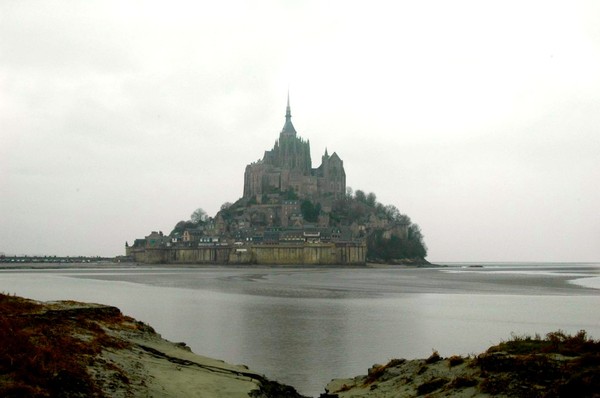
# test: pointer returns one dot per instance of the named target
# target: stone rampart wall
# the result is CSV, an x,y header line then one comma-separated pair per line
x,y
309,254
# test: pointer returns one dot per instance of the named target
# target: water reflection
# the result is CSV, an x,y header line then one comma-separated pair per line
x,y
300,339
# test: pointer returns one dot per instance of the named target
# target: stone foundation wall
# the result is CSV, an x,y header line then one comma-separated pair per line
x,y
313,254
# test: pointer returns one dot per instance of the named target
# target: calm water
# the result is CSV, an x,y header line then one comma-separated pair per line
x,y
305,326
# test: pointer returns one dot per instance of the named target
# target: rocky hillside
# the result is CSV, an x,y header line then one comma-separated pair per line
x,y
70,349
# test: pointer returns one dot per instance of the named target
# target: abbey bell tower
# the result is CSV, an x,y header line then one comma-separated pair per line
x,y
288,166
288,127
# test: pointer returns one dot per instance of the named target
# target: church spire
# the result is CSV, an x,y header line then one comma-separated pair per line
x,y
288,127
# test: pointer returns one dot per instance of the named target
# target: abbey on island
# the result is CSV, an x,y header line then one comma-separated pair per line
x,y
270,224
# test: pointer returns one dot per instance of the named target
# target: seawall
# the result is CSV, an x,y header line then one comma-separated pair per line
x,y
281,254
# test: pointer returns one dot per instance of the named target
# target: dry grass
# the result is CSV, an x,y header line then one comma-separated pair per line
x,y
378,371
557,342
45,355
374,374
455,360
432,385
559,365
433,358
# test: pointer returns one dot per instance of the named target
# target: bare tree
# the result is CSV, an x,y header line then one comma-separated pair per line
x,y
199,215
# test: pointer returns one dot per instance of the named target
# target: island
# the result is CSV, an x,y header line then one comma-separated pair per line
x,y
290,213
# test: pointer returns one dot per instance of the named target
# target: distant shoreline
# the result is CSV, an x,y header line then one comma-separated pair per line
x,y
508,278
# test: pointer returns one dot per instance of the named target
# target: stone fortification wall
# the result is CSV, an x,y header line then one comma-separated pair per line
x,y
155,256
314,254
199,255
317,254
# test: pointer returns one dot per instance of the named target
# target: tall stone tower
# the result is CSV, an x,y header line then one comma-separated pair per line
x,y
290,152
288,166
288,127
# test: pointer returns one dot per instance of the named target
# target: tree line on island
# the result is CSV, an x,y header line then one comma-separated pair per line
x,y
375,221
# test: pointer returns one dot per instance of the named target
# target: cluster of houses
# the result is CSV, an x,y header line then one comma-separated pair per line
x,y
271,222
198,237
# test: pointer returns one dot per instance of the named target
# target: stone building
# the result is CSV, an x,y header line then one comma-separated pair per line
x,y
288,166
268,226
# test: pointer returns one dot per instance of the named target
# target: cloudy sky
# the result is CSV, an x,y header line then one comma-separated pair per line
x,y
478,119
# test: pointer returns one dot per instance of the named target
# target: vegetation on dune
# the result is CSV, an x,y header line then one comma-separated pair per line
x,y
37,359
557,365
557,342
44,354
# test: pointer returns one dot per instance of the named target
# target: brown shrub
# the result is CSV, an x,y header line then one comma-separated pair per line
x,y
39,356
433,358
455,360
17,305
395,362
431,385
463,381
374,374
557,342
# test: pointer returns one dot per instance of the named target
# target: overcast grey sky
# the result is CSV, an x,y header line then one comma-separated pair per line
x,y
478,119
